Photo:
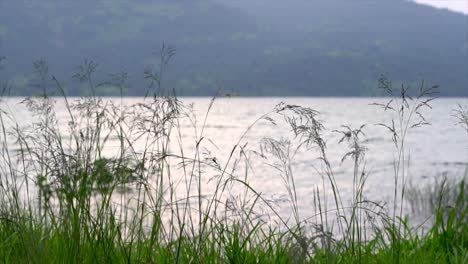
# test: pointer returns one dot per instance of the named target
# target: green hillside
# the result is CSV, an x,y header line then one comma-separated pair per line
x,y
298,47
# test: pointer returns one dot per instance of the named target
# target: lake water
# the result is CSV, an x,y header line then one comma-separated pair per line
x,y
431,151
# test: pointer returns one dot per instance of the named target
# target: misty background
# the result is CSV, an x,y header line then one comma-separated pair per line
x,y
239,47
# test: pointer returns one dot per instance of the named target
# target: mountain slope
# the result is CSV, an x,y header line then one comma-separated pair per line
x,y
296,47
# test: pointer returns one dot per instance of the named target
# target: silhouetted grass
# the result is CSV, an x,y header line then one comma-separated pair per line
x,y
64,199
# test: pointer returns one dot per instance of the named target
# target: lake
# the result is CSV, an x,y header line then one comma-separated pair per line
x,y
430,151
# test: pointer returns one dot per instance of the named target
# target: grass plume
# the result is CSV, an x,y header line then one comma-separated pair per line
x,y
65,198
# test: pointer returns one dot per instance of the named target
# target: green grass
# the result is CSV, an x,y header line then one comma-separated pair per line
x,y
63,200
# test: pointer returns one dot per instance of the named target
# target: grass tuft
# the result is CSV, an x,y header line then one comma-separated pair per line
x,y
66,198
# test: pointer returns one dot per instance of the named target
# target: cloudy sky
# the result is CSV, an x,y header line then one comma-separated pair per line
x,y
455,5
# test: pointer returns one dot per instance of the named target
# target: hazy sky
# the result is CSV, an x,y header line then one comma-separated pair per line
x,y
455,5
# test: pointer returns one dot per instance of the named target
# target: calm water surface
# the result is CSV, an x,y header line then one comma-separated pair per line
x,y
431,151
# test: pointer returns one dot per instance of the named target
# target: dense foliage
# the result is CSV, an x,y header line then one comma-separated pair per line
x,y
297,47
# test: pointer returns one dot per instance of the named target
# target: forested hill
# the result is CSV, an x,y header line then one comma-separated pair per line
x,y
246,47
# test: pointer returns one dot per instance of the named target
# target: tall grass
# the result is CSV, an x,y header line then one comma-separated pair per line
x,y
70,194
